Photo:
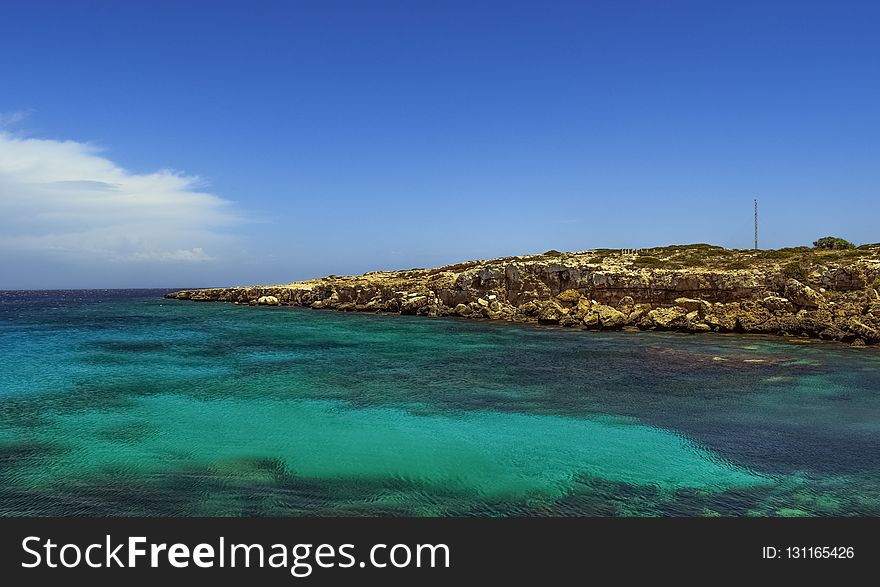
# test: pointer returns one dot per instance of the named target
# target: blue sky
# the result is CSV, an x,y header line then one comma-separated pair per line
x,y
200,143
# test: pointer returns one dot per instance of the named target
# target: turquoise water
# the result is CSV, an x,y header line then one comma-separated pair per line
x,y
122,403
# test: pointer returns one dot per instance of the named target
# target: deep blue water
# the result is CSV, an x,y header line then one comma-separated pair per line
x,y
123,403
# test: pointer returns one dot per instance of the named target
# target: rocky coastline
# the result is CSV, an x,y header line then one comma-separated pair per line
x,y
832,295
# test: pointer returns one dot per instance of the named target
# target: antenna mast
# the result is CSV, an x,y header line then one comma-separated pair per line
x,y
756,225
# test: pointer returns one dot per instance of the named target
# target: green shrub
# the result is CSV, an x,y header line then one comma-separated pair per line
x,y
718,252
552,253
877,283
649,261
796,270
786,253
693,247
833,243
739,264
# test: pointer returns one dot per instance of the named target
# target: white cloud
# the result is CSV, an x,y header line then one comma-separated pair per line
x,y
64,199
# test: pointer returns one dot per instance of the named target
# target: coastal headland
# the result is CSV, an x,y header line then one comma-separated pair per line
x,y
828,294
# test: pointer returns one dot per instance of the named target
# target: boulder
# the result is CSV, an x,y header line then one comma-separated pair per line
x,y
568,320
626,305
756,318
569,296
844,278
668,318
804,295
550,313
267,301
868,333
723,316
837,334
591,319
692,305
610,318
777,304
813,321
584,305
639,314
411,305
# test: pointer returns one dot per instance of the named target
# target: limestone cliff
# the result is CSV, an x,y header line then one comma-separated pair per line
x,y
695,288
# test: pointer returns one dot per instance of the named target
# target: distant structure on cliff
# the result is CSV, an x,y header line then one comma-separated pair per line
x,y
756,224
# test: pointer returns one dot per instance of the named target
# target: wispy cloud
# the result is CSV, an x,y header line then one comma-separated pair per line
x,y
193,254
8,119
65,199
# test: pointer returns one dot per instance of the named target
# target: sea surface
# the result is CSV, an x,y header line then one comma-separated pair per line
x,y
123,403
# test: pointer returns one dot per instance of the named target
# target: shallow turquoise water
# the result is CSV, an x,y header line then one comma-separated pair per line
x,y
122,403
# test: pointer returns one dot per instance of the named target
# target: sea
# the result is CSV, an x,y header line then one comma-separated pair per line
x,y
123,403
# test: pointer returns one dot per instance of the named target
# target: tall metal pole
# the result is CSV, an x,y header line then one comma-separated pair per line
x,y
756,225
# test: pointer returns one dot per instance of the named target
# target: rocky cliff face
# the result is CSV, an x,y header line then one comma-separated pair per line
x,y
695,288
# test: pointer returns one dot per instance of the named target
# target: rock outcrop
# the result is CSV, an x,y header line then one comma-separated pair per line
x,y
695,288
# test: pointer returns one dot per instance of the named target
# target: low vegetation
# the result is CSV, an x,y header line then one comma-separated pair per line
x,y
795,262
792,262
799,270
457,268
649,261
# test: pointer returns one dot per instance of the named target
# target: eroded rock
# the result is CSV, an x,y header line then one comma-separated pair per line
x,y
837,299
